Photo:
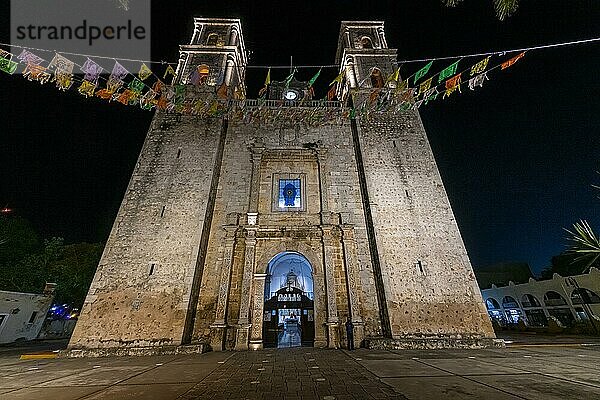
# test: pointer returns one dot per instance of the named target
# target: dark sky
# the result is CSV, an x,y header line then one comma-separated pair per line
x,y
517,156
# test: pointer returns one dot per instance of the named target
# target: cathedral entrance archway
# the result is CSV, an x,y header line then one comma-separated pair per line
x,y
289,319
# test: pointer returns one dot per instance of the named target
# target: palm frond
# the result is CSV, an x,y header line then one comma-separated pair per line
x,y
585,244
505,8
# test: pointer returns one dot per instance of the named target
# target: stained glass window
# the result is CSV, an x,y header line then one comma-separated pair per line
x,y
289,193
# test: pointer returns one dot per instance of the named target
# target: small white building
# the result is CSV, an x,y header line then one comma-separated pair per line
x,y
568,299
22,315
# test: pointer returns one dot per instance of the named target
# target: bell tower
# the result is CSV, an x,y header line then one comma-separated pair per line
x,y
216,56
425,286
363,53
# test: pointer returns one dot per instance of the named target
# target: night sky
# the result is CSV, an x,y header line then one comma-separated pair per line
x,y
517,156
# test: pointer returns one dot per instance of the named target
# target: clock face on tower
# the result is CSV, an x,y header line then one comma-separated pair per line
x,y
290,94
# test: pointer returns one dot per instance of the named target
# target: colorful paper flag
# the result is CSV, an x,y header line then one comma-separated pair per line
x,y
262,91
478,80
513,60
34,71
144,72
314,78
289,78
480,66
7,65
452,85
63,72
448,71
431,94
137,86
423,87
87,88
339,78
422,72
169,71
394,76
92,71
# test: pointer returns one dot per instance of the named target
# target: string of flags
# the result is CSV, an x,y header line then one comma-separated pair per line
x,y
163,91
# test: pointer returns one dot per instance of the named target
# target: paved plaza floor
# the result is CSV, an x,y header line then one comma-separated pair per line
x,y
551,369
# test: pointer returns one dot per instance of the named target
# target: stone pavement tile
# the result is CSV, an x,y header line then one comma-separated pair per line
x,y
205,358
398,368
540,387
174,374
471,366
54,393
589,378
372,354
97,376
37,376
446,388
145,392
586,362
539,365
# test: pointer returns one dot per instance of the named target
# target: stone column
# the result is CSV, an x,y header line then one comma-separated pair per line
x,y
258,304
352,279
255,178
330,236
218,328
241,342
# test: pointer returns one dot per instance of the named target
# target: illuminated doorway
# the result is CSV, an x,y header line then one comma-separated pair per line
x,y
289,302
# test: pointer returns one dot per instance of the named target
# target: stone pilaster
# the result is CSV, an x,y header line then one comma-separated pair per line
x,y
219,327
330,237
258,303
244,323
352,279
256,157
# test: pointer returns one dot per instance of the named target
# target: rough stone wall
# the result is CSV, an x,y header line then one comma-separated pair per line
x,y
159,223
429,283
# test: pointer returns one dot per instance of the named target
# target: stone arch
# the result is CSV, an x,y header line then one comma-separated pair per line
x,y
529,300
304,283
267,250
509,302
212,39
492,304
270,252
366,42
552,298
376,78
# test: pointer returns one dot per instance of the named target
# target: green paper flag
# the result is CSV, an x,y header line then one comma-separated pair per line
x,y
7,65
423,71
314,78
289,78
448,72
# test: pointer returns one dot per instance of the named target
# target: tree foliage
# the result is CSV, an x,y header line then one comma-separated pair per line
x,y
584,244
26,263
503,8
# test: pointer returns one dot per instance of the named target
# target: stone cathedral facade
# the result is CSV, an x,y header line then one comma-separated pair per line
x,y
246,235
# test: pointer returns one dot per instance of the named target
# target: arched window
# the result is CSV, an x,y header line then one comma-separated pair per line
x,y
509,302
529,300
552,298
366,42
584,296
492,304
376,78
212,39
199,75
